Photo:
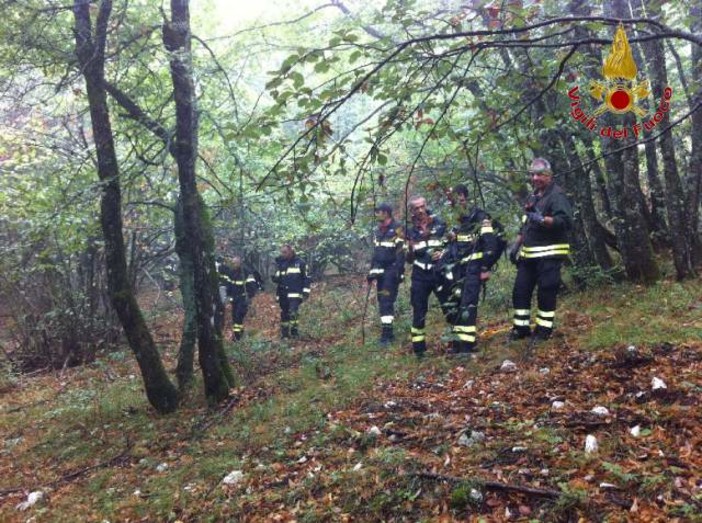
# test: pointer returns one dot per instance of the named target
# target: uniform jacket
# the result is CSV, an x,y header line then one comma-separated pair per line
x,y
291,277
547,242
422,244
388,250
238,283
475,240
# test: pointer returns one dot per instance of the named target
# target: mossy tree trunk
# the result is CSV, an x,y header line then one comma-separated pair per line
x,y
90,50
215,368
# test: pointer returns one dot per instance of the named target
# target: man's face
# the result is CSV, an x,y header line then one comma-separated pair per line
x,y
381,216
236,262
419,208
540,177
461,199
286,252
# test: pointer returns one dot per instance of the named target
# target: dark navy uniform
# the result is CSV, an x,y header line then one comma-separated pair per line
x,y
239,288
424,241
293,287
387,269
473,251
539,261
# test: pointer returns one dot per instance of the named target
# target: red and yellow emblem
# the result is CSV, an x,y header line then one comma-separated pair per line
x,y
620,92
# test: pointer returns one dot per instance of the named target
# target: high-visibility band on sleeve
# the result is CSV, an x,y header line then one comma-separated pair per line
x,y
474,256
435,243
377,271
390,245
399,240
387,320
306,290
425,266
294,295
239,282
250,279
293,270
465,238
486,230
420,245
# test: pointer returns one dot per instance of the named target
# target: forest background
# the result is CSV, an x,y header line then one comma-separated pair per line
x,y
141,139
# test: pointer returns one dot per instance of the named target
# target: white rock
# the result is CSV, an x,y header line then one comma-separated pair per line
x,y
374,431
234,477
631,348
32,499
357,466
508,366
519,449
600,411
544,472
469,384
390,404
590,444
303,459
557,405
608,486
635,431
657,383
162,467
544,370
137,493
476,495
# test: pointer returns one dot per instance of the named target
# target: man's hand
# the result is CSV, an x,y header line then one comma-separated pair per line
x,y
513,252
485,275
436,255
535,217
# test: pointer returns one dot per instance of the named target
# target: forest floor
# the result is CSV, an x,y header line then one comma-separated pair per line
x,y
332,427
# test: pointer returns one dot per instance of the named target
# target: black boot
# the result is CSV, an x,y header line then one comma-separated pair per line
x,y
284,331
419,348
519,333
463,347
294,332
387,336
541,334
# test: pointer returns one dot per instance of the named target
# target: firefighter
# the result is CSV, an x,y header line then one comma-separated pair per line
x,y
425,240
538,252
470,254
387,267
293,288
240,287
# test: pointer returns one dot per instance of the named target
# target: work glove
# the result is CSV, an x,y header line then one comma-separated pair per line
x,y
535,217
513,252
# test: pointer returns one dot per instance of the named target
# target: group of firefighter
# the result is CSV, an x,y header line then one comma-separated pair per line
x,y
451,260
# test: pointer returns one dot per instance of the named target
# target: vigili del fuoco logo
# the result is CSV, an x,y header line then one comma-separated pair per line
x,y
619,93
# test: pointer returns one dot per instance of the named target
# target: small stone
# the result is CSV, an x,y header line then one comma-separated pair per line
x,y
657,383
600,411
544,370
162,467
374,431
357,467
519,449
476,495
234,477
590,444
635,431
32,499
508,366
557,405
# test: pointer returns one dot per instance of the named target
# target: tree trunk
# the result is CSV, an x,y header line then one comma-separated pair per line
x,y
694,177
186,354
90,51
215,369
679,230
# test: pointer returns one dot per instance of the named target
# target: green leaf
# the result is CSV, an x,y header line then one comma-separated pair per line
x,y
297,78
321,67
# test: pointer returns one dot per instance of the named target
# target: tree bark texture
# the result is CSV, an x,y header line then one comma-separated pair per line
x,y
176,38
679,230
694,175
186,354
90,50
